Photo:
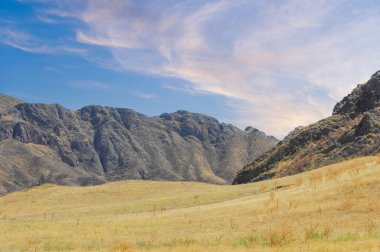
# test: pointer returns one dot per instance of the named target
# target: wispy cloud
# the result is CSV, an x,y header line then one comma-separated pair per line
x,y
144,95
280,64
90,84
28,43
185,88
23,41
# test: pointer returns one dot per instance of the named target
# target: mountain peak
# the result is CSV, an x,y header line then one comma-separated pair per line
x,y
352,131
250,128
183,115
363,98
376,75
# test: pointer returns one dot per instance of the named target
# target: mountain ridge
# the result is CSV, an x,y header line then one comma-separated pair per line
x,y
353,130
109,144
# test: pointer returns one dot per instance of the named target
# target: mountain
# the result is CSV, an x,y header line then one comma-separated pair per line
x,y
42,143
353,130
7,101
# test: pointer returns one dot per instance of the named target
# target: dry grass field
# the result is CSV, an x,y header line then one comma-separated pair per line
x,y
334,208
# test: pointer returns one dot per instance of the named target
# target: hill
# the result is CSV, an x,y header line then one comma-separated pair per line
x,y
334,208
7,101
97,144
352,131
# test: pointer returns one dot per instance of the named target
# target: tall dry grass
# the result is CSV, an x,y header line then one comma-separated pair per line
x,y
334,208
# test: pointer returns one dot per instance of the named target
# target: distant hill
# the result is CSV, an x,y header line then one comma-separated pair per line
x,y
42,143
352,131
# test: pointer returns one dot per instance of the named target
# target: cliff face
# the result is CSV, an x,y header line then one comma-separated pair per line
x,y
97,144
352,131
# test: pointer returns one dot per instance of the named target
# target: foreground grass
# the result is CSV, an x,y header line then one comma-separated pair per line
x,y
334,208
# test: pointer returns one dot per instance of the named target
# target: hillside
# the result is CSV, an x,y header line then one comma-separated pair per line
x,y
7,101
334,208
352,131
26,165
97,144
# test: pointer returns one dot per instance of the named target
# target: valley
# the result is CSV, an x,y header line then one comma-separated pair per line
x,y
334,208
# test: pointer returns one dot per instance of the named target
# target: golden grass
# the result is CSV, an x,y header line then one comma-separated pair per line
x,y
334,208
7,118
42,148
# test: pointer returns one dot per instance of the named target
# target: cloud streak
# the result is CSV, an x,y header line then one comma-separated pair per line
x,y
23,41
28,43
279,64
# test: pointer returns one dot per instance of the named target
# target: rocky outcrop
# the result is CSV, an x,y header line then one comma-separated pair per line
x,y
26,165
352,131
291,133
363,98
108,144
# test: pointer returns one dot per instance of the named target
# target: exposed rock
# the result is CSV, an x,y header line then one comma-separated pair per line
x,y
369,124
108,144
363,98
250,128
26,165
291,133
352,131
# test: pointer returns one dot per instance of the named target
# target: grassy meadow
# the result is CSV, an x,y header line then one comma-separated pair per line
x,y
334,208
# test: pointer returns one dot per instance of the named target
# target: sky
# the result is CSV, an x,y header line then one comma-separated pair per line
x,y
273,65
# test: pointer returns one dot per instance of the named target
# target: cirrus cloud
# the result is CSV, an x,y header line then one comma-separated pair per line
x,y
279,64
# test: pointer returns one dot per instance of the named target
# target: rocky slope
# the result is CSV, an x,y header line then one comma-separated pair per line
x,y
26,165
7,101
48,143
352,131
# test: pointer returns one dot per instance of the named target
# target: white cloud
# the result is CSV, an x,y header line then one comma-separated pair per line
x,y
280,64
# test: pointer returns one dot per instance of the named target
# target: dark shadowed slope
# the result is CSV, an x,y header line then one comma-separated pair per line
x,y
352,131
26,165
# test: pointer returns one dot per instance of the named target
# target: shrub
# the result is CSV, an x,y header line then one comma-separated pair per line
x,y
279,236
121,247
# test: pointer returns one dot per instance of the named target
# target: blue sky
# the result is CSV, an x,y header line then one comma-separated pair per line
x,y
273,65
